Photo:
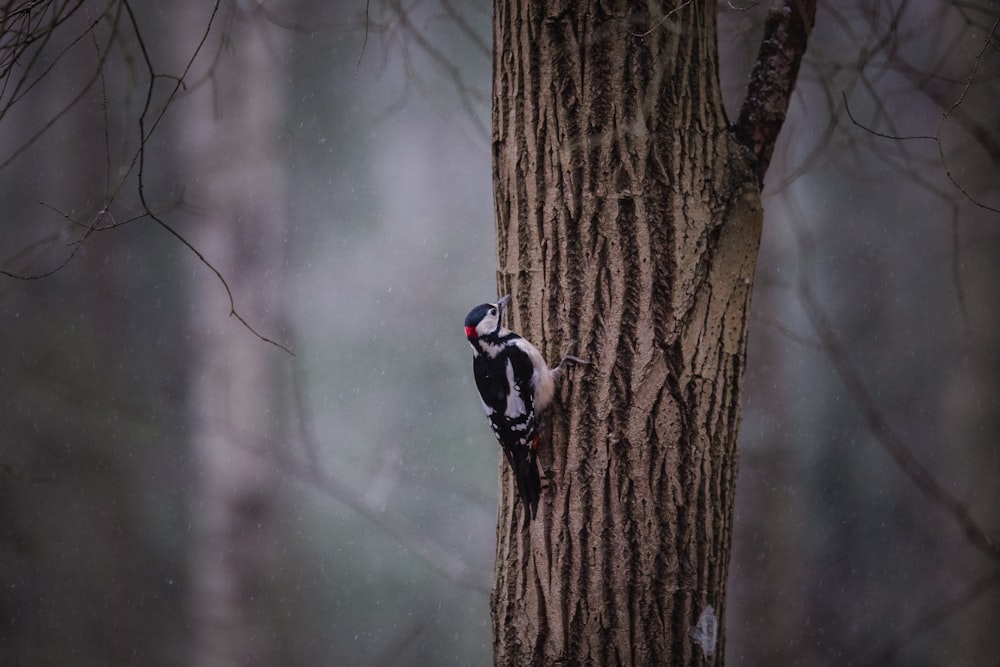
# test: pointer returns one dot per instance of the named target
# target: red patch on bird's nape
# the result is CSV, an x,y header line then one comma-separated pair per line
x,y
470,332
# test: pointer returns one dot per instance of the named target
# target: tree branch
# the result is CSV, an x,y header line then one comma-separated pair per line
x,y
930,620
952,110
884,434
307,468
786,34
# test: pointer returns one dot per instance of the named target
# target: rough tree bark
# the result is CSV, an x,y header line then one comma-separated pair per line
x,y
628,219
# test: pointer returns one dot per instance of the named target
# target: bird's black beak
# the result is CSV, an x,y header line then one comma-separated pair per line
x,y
502,305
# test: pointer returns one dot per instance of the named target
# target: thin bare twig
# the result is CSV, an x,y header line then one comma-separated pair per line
x,y
146,129
364,42
949,111
661,21
149,120
443,62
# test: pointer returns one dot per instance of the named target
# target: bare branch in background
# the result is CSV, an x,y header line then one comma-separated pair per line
x,y
933,618
458,18
410,535
35,39
308,469
885,435
416,40
984,138
26,31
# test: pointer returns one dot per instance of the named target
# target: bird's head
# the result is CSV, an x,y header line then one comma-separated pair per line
x,y
484,319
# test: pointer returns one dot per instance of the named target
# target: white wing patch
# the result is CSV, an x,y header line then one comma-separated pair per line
x,y
515,404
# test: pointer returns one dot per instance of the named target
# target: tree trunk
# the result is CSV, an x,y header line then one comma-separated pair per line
x,y
227,135
628,219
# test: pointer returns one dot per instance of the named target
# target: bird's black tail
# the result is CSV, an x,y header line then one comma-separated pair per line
x,y
523,462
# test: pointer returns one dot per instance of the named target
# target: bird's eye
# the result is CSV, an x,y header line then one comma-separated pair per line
x,y
493,311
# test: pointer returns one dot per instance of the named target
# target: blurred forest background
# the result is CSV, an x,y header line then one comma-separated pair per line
x,y
175,489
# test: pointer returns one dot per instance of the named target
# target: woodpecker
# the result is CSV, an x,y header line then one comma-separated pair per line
x,y
516,386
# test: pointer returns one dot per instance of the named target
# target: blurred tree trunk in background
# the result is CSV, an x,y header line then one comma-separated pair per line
x,y
628,219
972,405
227,133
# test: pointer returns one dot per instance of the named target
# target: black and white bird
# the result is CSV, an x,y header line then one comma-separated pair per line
x,y
516,386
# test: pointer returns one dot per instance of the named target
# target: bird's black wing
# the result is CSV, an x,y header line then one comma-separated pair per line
x,y
517,430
